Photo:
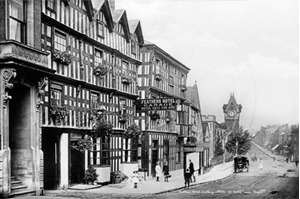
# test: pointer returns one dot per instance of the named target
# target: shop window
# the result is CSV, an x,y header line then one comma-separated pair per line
x,y
178,151
105,150
17,20
166,150
134,153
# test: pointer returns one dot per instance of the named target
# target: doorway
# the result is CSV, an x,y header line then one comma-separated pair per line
x,y
50,147
20,134
77,165
154,157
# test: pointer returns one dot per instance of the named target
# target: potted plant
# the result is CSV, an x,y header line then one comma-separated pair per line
x,y
132,131
90,175
101,70
117,177
102,128
84,144
58,113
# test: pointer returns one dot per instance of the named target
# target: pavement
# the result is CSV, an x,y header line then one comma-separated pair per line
x,y
150,186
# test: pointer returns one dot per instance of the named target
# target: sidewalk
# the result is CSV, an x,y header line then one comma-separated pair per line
x,y
150,186
269,153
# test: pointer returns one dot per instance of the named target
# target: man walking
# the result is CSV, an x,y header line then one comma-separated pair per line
x,y
192,170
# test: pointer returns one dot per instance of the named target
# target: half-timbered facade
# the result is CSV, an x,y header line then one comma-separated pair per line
x,y
68,60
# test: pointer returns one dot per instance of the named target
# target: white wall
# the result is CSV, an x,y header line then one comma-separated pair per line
x,y
64,160
195,159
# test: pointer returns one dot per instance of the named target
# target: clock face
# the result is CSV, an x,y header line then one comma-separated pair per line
x,y
231,113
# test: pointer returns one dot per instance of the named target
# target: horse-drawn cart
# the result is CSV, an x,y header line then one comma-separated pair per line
x,y
241,163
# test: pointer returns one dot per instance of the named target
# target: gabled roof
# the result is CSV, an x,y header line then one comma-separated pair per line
x,y
89,9
103,6
135,27
232,104
192,95
120,16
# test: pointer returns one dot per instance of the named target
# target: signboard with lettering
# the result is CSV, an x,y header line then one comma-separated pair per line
x,y
157,104
189,148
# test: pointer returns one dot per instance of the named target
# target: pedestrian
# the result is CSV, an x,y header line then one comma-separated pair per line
x,y
261,165
192,170
166,171
274,158
287,160
157,171
297,161
187,178
135,178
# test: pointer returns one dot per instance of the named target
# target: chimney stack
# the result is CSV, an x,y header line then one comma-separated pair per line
x,y
112,4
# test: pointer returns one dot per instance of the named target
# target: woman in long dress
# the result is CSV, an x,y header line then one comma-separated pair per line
x,y
157,171
261,165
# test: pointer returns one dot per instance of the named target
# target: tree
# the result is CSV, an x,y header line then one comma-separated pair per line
x,y
238,140
218,147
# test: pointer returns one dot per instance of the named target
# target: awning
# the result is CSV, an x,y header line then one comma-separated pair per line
x,y
277,145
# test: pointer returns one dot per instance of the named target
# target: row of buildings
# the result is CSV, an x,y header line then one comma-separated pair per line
x,y
280,139
62,62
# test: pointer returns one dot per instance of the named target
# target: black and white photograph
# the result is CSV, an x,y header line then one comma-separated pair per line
x,y
149,99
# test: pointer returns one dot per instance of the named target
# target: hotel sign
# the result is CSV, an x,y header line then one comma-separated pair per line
x,y
157,104
189,149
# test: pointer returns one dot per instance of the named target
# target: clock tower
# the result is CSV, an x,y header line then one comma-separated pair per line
x,y
232,112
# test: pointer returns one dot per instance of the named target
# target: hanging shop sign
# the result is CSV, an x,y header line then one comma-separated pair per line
x,y
157,104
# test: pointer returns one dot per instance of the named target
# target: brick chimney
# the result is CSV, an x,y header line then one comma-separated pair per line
x,y
112,4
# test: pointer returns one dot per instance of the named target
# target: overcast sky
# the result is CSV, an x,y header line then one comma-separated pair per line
x,y
248,47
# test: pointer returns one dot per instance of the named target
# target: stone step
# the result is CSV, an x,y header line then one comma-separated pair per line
x,y
18,187
15,182
16,194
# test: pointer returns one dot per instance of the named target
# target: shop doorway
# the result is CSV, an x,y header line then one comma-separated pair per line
x,y
154,156
50,147
77,165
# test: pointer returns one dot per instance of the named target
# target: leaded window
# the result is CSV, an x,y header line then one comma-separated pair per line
x,y
56,95
60,42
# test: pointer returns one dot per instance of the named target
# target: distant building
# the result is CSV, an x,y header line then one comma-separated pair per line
x,y
210,127
295,142
232,112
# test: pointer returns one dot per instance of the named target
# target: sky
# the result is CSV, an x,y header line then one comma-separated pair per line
x,y
246,47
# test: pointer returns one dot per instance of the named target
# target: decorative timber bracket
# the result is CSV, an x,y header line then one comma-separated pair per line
x,y
41,91
8,75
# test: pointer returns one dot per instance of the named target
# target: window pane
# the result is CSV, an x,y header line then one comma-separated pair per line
x,y
16,9
15,30
60,42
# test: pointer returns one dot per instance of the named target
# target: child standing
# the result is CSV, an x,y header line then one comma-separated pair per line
x,y
135,178
187,178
